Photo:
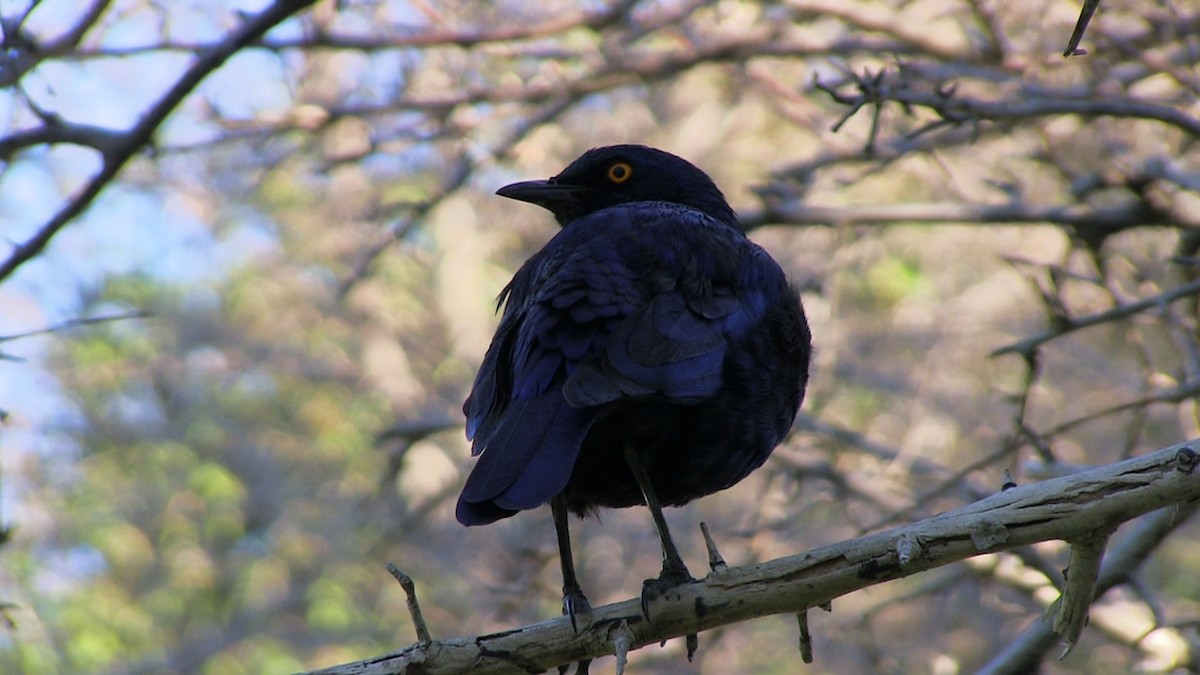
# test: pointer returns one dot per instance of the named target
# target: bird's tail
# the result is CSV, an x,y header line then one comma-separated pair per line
x,y
526,461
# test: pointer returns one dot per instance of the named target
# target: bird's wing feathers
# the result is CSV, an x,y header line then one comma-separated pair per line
x,y
529,460
662,349
626,303
674,344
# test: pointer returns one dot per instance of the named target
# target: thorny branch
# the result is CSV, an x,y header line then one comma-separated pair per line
x,y
1061,508
1122,560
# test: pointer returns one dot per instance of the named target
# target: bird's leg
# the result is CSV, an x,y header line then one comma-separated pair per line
x,y
674,572
574,601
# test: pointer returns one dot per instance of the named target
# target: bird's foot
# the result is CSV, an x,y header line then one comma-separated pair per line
x,y
575,604
652,589
672,577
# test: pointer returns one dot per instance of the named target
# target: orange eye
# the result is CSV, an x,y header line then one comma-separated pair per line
x,y
620,172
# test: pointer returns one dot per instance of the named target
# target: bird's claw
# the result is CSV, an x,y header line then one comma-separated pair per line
x,y
575,603
653,589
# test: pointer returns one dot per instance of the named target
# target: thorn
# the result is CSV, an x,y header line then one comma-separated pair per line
x,y
622,640
1079,589
715,562
693,643
1068,646
1185,463
827,606
806,653
1008,483
414,608
908,549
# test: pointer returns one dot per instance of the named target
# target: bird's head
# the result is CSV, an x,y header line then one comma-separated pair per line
x,y
620,174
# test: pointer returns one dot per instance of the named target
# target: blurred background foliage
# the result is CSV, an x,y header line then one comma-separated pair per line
x,y
309,251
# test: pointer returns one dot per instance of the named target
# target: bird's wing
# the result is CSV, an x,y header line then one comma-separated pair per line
x,y
702,294
559,310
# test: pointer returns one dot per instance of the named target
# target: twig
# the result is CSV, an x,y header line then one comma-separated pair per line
x,y
75,323
1031,343
1178,394
806,650
715,562
414,608
1024,654
622,641
1026,105
1082,573
1085,218
436,36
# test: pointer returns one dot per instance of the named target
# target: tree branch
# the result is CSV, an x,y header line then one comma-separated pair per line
x,y
415,36
75,323
1025,653
1085,218
1029,345
885,86
1071,507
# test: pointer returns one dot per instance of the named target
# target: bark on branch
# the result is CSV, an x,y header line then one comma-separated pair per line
x,y
1070,508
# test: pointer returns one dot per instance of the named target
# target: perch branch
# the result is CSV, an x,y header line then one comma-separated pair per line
x,y
1070,508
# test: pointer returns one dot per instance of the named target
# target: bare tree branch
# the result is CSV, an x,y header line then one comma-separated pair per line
x,y
1086,218
418,36
69,40
75,323
1029,344
886,86
1071,507
1025,653
56,132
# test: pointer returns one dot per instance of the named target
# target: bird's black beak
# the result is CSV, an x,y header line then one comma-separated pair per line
x,y
547,194
566,202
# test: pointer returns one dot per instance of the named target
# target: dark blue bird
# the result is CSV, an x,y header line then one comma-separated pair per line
x,y
649,354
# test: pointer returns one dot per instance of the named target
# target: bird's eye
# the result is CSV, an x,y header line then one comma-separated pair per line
x,y
620,172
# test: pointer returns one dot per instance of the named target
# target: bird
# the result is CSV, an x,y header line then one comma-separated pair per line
x,y
649,353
